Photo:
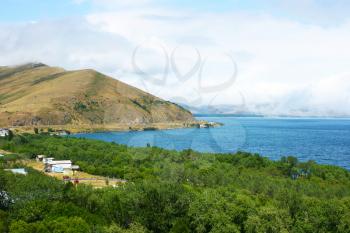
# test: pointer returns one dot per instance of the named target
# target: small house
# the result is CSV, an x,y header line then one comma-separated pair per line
x,y
40,158
47,160
60,133
203,126
59,166
57,169
4,132
75,168
20,171
63,133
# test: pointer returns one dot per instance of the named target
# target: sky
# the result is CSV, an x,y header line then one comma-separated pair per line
x,y
277,57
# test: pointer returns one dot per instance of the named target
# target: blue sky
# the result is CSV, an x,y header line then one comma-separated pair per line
x,y
28,10
292,55
308,11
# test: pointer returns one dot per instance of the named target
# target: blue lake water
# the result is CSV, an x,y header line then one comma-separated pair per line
x,y
326,141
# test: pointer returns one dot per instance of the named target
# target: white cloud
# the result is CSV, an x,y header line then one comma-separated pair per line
x,y
68,43
284,66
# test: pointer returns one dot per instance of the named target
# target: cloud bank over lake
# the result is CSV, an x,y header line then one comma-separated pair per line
x,y
285,61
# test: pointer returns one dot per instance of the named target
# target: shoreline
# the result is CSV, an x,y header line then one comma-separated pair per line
x,y
119,127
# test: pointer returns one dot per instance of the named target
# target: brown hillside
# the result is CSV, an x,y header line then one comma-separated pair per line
x,y
36,94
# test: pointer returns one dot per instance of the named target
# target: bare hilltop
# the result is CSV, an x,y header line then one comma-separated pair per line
x,y
37,95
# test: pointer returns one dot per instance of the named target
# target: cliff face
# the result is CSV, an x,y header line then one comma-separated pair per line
x,y
36,94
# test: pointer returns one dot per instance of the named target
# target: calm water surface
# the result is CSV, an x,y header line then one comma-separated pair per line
x,y
326,141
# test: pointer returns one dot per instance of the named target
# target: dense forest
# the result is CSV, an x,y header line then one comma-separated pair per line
x,y
170,191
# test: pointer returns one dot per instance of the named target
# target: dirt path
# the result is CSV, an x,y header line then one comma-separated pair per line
x,y
3,152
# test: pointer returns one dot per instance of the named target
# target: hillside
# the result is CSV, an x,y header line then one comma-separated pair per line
x,y
39,95
170,191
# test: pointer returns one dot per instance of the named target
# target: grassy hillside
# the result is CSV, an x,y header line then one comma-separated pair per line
x,y
171,191
36,94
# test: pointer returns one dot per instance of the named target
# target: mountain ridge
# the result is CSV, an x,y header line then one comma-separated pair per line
x,y
35,94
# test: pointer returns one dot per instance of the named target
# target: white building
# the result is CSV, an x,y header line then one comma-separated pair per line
x,y
40,158
60,133
61,163
4,132
47,160
20,171
59,166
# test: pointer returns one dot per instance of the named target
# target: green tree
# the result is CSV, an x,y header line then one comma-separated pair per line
x,y
268,219
36,130
3,221
69,225
134,228
10,135
21,227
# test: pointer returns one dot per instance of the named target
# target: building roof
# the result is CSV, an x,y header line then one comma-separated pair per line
x,y
75,167
60,162
21,171
49,158
57,169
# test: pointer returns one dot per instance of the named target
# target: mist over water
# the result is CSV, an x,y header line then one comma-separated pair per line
x,y
327,141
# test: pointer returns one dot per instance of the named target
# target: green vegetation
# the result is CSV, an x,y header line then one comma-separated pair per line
x,y
80,107
170,191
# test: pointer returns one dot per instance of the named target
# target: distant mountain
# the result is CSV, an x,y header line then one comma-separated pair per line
x,y
258,110
37,94
219,110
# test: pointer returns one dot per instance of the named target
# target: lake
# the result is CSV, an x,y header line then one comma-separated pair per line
x,y
326,141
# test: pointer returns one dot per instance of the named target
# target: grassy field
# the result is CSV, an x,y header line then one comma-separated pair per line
x,y
83,177
3,152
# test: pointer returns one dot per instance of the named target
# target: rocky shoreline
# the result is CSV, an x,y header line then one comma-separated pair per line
x,y
86,128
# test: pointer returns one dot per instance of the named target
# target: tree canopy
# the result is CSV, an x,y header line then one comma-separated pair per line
x,y
170,191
